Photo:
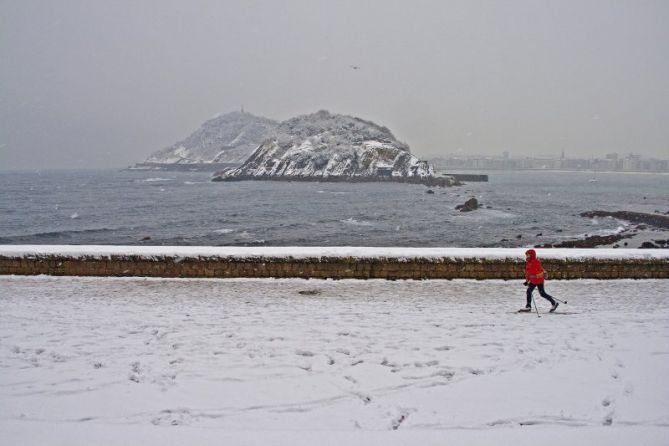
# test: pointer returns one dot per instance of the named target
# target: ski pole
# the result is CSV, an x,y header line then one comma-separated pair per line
x,y
561,301
535,306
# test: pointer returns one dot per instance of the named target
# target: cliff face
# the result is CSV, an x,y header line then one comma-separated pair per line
x,y
228,138
325,146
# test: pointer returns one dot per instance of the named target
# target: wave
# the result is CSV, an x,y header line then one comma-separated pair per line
x,y
614,231
353,221
491,215
40,236
600,232
333,192
154,180
223,231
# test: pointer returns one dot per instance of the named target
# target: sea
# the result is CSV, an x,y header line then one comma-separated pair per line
x,y
134,207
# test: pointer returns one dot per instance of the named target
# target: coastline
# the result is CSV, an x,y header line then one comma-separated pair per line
x,y
643,231
426,181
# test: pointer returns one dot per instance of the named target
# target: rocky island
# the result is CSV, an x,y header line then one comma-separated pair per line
x,y
330,147
226,139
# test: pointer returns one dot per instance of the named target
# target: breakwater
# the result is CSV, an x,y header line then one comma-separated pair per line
x,y
329,263
468,177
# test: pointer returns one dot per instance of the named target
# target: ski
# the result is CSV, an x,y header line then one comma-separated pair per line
x,y
558,313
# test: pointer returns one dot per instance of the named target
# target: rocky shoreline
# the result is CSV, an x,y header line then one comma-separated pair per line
x,y
647,231
657,220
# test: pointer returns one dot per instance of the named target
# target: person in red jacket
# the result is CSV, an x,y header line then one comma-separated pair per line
x,y
534,278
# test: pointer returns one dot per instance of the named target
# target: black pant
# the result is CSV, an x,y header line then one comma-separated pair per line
x,y
530,289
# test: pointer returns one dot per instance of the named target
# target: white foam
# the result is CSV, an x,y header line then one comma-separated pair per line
x,y
353,221
157,179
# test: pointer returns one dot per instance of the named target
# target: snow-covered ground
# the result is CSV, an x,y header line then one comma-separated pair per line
x,y
296,362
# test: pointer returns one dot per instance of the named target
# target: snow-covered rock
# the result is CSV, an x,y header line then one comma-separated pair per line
x,y
227,138
328,146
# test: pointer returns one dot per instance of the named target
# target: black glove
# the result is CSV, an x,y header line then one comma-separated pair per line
x,y
526,283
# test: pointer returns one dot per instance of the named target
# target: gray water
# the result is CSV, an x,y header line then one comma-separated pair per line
x,y
185,208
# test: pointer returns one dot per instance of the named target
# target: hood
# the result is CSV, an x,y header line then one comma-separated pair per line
x,y
532,253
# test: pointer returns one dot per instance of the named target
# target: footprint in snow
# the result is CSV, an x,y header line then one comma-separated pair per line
x,y
366,399
448,374
135,372
400,418
172,417
628,389
305,353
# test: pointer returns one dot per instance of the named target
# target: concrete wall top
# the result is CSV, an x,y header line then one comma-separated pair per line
x,y
255,253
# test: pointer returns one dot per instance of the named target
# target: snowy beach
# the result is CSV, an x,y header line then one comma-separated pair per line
x,y
160,361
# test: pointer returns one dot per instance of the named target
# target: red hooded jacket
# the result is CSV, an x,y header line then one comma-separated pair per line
x,y
534,272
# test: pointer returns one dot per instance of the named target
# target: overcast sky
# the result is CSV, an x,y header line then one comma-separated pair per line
x,y
104,83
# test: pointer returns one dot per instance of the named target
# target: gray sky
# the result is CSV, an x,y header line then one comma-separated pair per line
x,y
104,83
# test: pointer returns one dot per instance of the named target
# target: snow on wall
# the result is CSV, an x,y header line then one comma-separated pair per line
x,y
106,251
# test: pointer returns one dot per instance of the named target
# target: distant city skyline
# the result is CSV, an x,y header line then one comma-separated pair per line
x,y
557,155
612,162
103,84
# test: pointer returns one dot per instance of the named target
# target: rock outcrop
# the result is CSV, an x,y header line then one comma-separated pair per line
x,y
329,147
470,205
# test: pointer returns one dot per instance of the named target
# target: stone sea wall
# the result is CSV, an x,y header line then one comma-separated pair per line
x,y
330,267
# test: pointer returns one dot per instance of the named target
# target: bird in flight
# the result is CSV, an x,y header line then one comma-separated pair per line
x,y
355,67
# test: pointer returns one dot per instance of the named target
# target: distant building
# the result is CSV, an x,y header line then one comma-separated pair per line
x,y
631,163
